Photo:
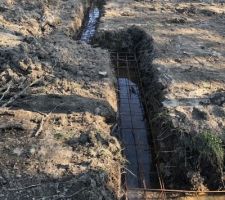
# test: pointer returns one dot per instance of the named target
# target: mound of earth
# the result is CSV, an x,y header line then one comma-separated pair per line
x,y
57,110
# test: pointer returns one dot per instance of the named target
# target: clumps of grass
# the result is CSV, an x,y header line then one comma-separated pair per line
x,y
204,147
202,154
209,148
162,115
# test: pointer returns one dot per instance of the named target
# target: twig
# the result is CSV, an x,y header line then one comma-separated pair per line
x,y
130,171
72,195
12,99
161,139
62,196
198,60
40,127
16,189
179,191
44,118
7,90
3,88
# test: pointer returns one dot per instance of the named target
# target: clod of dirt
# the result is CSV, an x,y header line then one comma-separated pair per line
x,y
199,114
196,180
218,98
84,138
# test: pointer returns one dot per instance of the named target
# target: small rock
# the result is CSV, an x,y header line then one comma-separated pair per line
x,y
218,98
18,151
61,166
180,10
127,13
97,111
216,54
178,20
32,150
204,102
80,73
18,175
152,9
175,123
102,73
178,60
82,167
23,66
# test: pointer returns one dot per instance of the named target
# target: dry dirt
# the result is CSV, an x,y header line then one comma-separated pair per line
x,y
56,110
189,66
189,43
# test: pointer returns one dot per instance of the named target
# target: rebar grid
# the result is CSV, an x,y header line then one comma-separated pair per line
x,y
128,80
126,67
154,194
161,182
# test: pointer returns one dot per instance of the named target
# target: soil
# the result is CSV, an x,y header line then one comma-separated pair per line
x,y
58,100
57,107
184,83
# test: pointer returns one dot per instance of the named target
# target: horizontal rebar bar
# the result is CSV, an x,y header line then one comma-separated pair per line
x,y
178,191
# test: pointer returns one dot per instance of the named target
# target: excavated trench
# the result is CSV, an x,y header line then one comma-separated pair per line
x,y
133,126
89,26
134,130
140,122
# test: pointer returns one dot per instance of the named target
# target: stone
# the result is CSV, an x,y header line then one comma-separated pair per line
x,y
102,73
18,151
32,150
97,111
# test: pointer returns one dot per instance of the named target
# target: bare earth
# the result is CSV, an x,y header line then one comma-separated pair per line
x,y
189,42
56,110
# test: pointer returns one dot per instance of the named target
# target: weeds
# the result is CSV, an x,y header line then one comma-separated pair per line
x,y
205,147
202,153
209,146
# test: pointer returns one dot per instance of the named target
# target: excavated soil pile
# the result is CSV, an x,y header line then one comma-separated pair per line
x,y
56,107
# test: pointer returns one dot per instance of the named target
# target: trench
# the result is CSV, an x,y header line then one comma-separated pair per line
x,y
133,128
131,54
90,23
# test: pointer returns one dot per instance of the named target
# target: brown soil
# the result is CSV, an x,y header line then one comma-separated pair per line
x,y
57,110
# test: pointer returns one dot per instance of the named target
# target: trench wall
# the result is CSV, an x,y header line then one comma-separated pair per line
x,y
172,144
